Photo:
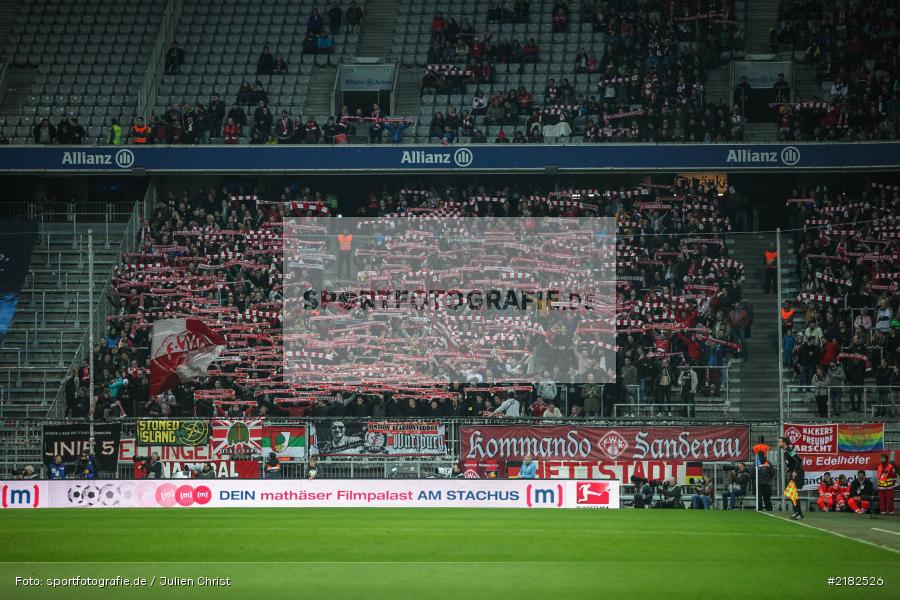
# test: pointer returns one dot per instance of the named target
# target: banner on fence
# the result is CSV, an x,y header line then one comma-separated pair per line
x,y
165,432
831,438
288,443
178,461
232,437
844,463
69,441
406,493
380,438
504,443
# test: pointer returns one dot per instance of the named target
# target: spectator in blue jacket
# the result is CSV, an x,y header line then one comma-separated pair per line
x,y
324,43
788,349
395,130
57,468
528,470
115,386
87,466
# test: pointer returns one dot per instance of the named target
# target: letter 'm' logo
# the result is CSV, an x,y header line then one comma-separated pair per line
x,y
463,157
790,156
124,158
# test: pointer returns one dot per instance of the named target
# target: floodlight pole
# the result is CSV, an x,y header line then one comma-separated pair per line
x,y
92,399
780,352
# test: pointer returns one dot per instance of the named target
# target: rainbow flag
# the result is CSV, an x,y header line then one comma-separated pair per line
x,y
867,437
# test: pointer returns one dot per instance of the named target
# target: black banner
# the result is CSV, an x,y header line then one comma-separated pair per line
x,y
380,438
69,441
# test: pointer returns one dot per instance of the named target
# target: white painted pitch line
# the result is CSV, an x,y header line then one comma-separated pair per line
x,y
886,531
841,535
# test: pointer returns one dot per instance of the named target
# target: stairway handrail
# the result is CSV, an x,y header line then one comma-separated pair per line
x,y
164,39
131,239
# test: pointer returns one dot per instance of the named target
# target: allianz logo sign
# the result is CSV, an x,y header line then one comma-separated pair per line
x,y
123,159
462,158
789,156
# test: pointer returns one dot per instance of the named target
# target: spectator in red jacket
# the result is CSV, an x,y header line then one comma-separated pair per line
x,y
231,132
438,26
826,496
830,351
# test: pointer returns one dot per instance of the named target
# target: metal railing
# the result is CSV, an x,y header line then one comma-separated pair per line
x,y
874,401
712,390
4,75
147,94
130,242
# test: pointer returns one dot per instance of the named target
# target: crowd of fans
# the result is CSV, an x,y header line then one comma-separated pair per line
x,y
649,80
844,332
216,254
854,47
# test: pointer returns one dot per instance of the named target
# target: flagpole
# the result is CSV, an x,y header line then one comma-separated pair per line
x,y
92,398
780,351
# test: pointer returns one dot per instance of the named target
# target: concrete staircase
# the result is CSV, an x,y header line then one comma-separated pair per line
x,y
18,87
408,92
718,85
806,85
759,392
377,31
321,87
51,318
761,16
760,132
8,11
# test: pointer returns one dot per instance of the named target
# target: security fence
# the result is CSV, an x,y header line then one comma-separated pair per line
x,y
347,447
365,446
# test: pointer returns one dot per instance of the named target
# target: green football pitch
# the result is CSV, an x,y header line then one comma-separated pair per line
x,y
445,553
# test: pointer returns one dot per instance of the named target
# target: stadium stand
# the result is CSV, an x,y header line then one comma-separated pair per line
x,y
67,48
610,71
215,254
226,54
846,316
853,49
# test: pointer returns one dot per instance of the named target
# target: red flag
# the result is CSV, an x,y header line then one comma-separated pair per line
x,y
181,350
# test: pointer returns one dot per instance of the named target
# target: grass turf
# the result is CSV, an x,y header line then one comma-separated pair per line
x,y
435,553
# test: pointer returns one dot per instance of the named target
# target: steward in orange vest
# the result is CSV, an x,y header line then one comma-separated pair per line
x,y
140,133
